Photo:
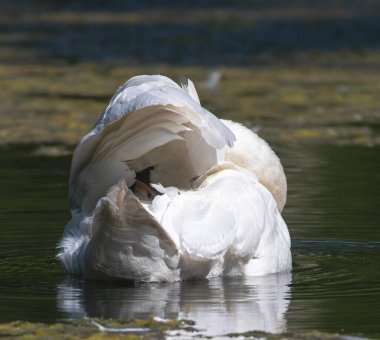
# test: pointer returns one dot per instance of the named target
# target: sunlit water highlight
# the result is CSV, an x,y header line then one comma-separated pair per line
x,y
332,214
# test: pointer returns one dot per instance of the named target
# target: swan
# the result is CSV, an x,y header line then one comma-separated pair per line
x,y
163,190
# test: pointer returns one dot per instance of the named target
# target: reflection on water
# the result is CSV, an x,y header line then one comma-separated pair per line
x,y
218,306
333,218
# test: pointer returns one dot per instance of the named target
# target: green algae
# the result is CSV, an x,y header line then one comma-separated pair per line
x,y
87,329
310,100
56,76
292,93
312,335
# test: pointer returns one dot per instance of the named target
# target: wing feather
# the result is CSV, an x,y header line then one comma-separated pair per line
x,y
144,91
147,113
127,242
229,220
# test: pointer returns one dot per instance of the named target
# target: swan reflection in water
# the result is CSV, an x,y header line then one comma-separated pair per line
x,y
218,306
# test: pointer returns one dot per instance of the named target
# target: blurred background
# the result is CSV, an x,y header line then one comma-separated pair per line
x,y
305,75
298,70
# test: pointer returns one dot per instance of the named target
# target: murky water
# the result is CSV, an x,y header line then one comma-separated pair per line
x,y
333,216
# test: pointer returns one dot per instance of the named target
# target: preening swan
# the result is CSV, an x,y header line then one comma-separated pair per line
x,y
162,190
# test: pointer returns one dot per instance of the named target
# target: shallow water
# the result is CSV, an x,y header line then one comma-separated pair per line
x,y
332,214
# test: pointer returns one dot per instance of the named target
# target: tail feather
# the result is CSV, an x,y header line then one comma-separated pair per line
x,y
127,242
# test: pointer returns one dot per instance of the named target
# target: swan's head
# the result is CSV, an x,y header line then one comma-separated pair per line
x,y
253,153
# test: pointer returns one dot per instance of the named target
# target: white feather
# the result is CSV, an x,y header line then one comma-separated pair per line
x,y
219,190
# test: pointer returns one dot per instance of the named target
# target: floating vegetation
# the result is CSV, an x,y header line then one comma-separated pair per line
x,y
137,329
335,104
94,329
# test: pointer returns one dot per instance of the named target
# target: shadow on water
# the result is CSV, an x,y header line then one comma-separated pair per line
x,y
331,214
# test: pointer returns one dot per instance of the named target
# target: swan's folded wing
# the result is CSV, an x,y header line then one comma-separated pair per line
x,y
166,138
144,91
127,242
230,219
203,230
146,113
206,227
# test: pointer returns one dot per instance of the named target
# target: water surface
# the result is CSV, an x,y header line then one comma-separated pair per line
x,y
332,214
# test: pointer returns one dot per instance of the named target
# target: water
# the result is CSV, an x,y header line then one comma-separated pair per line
x,y
332,214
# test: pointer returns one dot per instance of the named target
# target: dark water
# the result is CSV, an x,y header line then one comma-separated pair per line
x,y
234,32
333,216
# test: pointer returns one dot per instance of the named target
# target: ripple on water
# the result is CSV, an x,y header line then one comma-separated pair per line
x,y
347,265
332,216
335,286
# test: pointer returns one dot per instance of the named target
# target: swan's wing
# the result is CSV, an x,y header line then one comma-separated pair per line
x,y
202,228
205,227
213,218
143,91
150,122
231,219
253,153
127,242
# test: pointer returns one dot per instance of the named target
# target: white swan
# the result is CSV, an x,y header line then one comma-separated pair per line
x,y
162,190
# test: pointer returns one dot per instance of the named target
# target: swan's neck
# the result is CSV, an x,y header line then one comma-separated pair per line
x,y
253,153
